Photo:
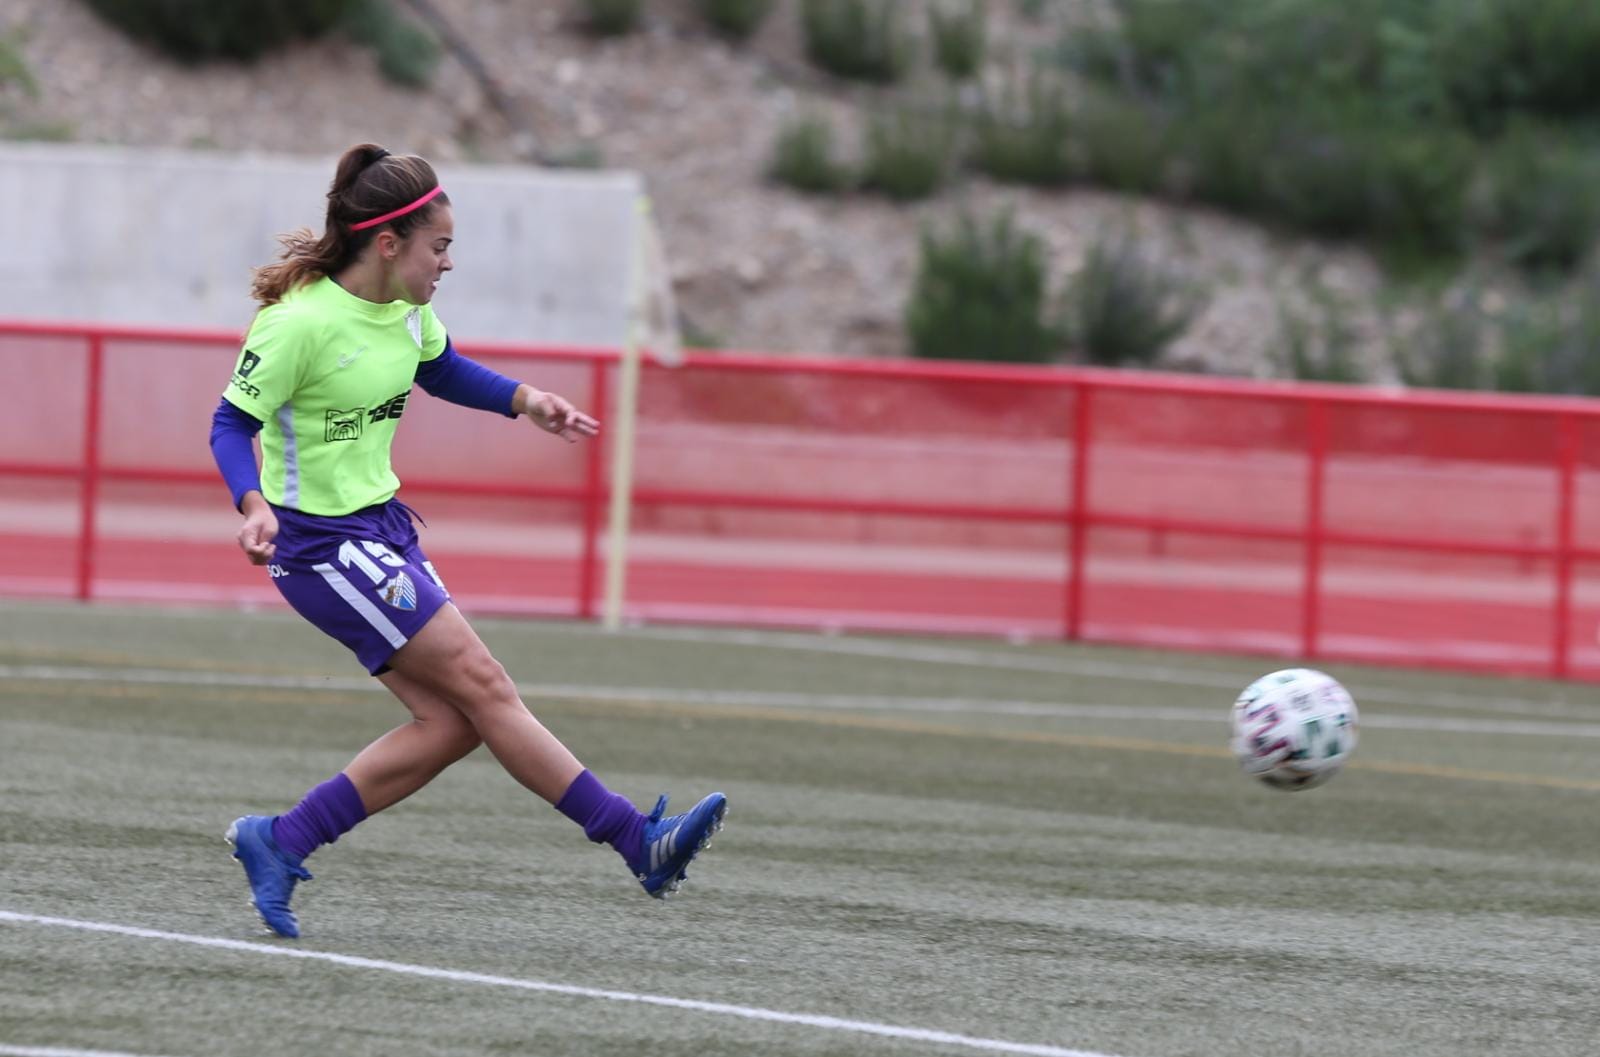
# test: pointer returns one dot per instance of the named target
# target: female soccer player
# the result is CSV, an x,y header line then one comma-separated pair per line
x,y
344,329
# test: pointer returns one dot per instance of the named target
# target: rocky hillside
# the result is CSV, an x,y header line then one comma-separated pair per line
x,y
755,266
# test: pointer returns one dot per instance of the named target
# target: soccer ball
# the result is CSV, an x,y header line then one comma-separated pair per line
x,y
1294,729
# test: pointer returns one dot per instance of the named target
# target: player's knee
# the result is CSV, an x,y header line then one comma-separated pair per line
x,y
484,680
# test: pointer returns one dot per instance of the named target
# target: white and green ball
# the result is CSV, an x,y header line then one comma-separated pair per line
x,y
1294,729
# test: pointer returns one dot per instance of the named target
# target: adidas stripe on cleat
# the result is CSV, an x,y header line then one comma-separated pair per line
x,y
271,873
671,843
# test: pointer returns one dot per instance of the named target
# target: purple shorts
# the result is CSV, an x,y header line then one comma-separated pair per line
x,y
361,578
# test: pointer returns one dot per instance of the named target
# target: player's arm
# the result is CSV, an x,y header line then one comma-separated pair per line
x,y
453,377
232,433
264,378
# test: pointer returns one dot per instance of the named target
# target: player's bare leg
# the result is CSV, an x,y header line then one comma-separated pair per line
x,y
411,755
448,659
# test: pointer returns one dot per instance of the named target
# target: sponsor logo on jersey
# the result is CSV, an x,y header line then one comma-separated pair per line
x,y
344,425
247,363
347,425
393,407
347,358
399,592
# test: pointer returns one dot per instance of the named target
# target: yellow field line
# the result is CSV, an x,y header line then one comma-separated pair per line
x,y
168,691
877,723
1081,741
1429,770
27,654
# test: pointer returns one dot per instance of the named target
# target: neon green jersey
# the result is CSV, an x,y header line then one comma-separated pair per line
x,y
328,375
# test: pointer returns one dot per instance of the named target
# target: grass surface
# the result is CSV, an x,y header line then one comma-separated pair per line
x,y
1028,846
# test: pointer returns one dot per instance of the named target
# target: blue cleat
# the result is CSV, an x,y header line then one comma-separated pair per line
x,y
271,873
671,843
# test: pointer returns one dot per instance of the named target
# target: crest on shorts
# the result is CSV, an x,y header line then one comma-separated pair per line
x,y
399,592
414,325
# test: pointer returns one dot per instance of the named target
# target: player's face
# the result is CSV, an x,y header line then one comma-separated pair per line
x,y
424,257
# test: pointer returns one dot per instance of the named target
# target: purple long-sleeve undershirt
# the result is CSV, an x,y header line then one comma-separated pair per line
x,y
451,376
231,433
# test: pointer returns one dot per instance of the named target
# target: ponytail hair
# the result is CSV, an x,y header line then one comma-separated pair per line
x,y
369,183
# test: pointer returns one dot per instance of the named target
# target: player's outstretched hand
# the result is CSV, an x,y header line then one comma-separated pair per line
x,y
259,529
555,414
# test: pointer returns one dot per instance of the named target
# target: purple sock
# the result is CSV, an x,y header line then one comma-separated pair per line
x,y
606,817
332,808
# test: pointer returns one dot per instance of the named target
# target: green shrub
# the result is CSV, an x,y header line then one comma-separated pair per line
x,y
1022,135
1319,342
1450,348
573,154
407,53
863,40
960,36
803,157
1220,151
1124,309
1548,343
1540,201
611,18
981,293
1339,172
1350,175
28,130
908,153
1363,119
1542,341
1121,145
735,19
196,30
1419,190
1497,58
14,69
1151,51
1321,176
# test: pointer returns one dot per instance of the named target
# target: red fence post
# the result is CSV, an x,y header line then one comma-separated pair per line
x,y
1078,516
593,495
1316,466
1566,515
89,481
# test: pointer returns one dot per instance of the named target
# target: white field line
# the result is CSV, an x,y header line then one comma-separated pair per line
x,y
977,657
811,1020
972,657
56,1051
778,700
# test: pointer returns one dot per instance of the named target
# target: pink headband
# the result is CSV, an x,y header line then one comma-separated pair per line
x,y
402,211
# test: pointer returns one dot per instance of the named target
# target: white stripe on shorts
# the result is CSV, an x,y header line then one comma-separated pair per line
x,y
361,604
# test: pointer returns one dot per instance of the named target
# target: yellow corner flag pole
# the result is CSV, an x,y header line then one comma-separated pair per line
x,y
625,418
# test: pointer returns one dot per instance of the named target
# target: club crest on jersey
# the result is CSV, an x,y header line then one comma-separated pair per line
x,y
414,325
399,592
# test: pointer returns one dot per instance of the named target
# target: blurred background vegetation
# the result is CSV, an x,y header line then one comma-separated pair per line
x,y
1456,140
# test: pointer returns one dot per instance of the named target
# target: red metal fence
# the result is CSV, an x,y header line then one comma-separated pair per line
x,y
1295,520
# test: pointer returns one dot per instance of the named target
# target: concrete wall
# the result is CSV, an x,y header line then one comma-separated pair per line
x,y
168,238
